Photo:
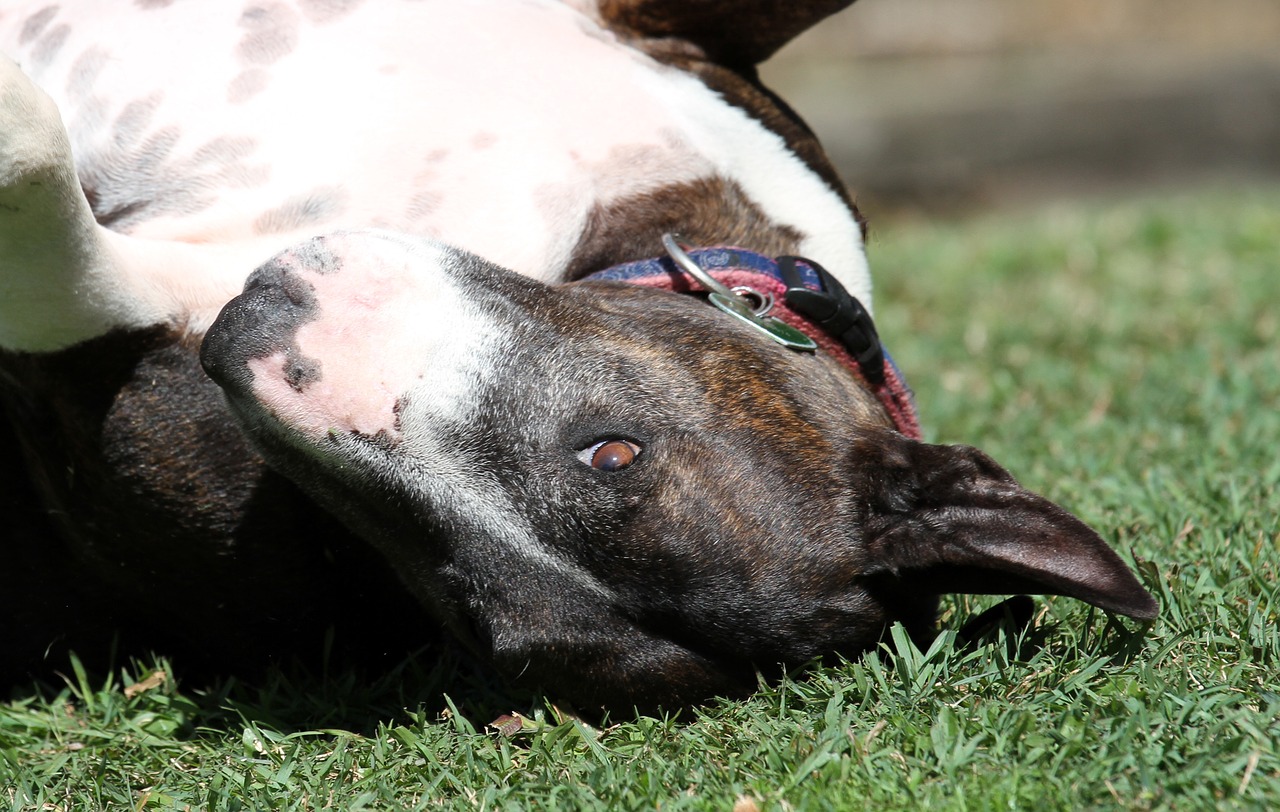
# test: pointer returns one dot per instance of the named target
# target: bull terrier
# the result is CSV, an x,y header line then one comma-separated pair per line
x,y
458,360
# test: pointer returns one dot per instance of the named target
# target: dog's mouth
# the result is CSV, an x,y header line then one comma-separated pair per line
x,y
450,413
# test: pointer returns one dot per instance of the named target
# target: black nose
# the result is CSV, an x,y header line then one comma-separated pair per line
x,y
259,322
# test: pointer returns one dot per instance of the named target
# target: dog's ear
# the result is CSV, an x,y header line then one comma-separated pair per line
x,y
946,519
746,32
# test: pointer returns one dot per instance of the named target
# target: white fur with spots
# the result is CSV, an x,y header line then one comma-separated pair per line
x,y
213,135
440,344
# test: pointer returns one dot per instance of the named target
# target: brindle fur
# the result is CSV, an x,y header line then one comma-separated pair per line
x,y
774,515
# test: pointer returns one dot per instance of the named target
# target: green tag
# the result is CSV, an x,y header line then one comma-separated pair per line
x,y
779,331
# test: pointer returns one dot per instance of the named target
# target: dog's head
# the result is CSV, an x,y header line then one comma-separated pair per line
x,y
620,493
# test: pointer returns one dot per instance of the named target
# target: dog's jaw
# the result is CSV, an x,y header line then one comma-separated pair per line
x,y
771,514
477,493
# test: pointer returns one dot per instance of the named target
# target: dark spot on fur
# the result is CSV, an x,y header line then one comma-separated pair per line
x,y
133,121
265,319
50,44
115,205
300,371
271,33
307,209
131,174
35,25
149,5
316,256
85,71
227,155
422,204
326,11
426,197
247,84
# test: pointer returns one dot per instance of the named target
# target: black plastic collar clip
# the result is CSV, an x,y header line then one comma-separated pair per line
x,y
838,314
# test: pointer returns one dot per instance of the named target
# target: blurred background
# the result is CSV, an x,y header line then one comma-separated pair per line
x,y
944,107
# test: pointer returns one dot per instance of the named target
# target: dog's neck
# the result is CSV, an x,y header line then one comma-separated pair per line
x,y
797,292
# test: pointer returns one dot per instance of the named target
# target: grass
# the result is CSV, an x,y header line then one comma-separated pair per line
x,y
1122,358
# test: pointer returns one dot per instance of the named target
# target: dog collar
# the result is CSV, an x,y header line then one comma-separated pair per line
x,y
793,300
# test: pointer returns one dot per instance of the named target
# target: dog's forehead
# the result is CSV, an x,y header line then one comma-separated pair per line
x,y
483,386
406,339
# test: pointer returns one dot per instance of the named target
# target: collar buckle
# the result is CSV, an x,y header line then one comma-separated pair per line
x,y
837,313
737,301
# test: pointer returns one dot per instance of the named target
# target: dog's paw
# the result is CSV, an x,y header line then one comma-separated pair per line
x,y
34,147
48,243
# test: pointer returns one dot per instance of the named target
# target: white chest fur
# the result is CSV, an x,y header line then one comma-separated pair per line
x,y
495,126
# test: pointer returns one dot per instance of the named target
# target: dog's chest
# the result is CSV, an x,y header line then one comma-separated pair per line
x,y
500,127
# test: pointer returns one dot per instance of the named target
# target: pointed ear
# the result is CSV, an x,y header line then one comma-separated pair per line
x,y
746,32
949,519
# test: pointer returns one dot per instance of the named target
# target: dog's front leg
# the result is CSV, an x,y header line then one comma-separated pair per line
x,y
54,267
63,277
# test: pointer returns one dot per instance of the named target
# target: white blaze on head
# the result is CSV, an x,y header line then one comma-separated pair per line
x,y
404,351
390,320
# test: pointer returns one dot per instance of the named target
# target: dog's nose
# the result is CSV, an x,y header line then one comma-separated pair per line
x,y
277,300
331,335
285,281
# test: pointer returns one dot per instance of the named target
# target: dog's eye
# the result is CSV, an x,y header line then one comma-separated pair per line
x,y
610,455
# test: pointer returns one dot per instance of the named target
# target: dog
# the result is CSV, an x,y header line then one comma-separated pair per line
x,y
544,322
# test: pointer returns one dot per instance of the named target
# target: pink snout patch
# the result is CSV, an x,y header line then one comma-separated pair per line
x,y
388,320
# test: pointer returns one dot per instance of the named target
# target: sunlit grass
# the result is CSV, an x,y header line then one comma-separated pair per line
x,y
1124,359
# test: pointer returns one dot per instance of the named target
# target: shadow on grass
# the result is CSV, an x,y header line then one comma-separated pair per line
x,y
334,691
1012,626
347,687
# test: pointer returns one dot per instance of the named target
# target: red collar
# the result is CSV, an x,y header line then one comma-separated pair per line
x,y
795,291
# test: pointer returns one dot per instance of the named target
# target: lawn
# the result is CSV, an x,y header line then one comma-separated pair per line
x,y
1122,357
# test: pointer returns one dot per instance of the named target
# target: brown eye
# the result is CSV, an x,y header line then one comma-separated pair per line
x,y
613,455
